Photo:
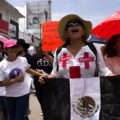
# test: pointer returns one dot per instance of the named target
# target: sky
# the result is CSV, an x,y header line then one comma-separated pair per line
x,y
93,10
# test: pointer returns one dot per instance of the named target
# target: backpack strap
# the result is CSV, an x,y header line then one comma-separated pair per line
x,y
92,47
57,52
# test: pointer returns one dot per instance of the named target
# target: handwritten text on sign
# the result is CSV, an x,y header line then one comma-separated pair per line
x,y
50,36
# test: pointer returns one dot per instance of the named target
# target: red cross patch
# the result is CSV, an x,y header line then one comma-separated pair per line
x,y
64,59
86,59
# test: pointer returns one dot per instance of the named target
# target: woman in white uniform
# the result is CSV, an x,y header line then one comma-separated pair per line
x,y
76,59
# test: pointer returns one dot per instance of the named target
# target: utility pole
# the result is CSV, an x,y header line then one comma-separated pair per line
x,y
46,15
49,2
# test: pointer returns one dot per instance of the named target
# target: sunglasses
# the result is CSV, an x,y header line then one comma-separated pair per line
x,y
71,24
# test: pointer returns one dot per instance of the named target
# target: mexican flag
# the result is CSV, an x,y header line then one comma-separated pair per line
x,y
95,98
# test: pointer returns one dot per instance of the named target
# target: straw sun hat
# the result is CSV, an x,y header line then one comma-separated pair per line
x,y
64,21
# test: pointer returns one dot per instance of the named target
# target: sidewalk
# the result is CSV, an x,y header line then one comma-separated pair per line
x,y
35,108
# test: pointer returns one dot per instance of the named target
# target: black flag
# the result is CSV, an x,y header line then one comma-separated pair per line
x,y
95,98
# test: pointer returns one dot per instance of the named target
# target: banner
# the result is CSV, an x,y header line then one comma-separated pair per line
x,y
95,98
51,39
4,26
38,12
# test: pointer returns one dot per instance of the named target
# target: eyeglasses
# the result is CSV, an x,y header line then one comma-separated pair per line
x,y
71,24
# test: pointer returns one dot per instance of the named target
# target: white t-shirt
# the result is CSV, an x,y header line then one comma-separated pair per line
x,y
9,69
85,59
2,91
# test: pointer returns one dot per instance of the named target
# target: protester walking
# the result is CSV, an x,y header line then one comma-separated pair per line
x,y
76,59
3,112
13,75
43,60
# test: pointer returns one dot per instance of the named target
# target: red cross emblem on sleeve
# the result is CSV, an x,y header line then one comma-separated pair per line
x,y
64,59
86,59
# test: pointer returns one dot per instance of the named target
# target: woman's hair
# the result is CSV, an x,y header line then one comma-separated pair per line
x,y
1,43
109,50
25,49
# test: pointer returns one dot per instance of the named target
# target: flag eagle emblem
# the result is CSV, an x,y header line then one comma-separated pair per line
x,y
85,107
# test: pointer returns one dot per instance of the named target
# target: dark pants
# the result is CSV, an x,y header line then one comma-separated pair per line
x,y
16,107
3,112
39,92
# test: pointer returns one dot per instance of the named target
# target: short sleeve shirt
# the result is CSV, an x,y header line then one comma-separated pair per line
x,y
8,70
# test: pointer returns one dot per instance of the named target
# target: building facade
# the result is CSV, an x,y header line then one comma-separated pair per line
x,y
9,16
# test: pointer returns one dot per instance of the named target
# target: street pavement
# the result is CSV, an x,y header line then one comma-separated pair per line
x,y
34,108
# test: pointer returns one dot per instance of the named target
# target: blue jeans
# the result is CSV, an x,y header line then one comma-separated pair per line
x,y
3,112
16,107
